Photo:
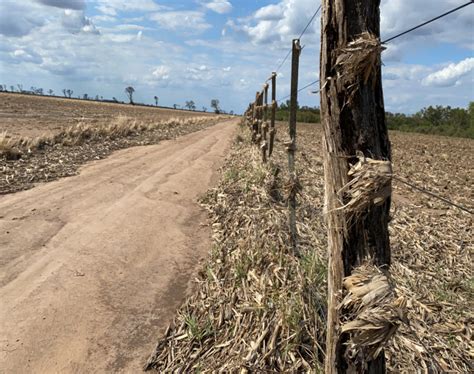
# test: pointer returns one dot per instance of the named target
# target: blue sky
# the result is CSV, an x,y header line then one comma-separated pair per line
x,y
225,49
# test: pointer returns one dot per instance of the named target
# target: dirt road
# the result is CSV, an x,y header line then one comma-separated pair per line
x,y
92,267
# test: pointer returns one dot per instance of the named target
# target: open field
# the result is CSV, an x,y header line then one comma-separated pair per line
x,y
261,307
32,116
42,138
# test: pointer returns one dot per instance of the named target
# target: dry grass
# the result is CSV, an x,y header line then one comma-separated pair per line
x,y
83,132
50,157
259,307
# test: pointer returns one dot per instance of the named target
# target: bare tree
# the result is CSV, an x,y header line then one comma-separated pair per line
x,y
156,100
20,87
1,88
176,106
86,97
12,88
190,105
204,109
215,105
50,92
69,92
130,91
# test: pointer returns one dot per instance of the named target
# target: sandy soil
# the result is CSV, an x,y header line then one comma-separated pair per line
x,y
92,267
31,116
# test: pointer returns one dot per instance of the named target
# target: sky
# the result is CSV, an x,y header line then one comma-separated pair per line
x,y
222,49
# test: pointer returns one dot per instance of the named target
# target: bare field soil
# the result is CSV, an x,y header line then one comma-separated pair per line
x,y
32,116
260,306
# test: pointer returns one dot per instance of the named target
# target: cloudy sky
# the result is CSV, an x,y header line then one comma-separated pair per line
x,y
204,49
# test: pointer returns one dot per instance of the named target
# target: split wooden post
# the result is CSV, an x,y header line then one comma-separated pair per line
x,y
291,145
272,121
264,144
353,119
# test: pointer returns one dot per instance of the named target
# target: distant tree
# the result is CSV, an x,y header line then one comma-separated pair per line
x,y
204,109
215,105
96,97
50,92
156,100
101,98
129,91
33,89
190,105
85,97
115,99
12,88
1,88
176,106
231,112
39,91
20,87
69,92
64,92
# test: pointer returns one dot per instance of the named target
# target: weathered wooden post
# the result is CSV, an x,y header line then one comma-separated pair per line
x,y
264,144
357,172
255,118
272,121
291,145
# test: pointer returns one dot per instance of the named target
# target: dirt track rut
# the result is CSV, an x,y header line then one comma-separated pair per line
x,y
92,267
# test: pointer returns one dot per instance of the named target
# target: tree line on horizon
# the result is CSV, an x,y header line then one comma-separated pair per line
x,y
437,120
129,91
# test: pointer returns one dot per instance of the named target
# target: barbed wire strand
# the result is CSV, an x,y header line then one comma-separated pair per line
x,y
301,35
427,22
301,89
432,194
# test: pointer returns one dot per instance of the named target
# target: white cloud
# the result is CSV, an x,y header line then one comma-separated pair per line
x,y
273,12
75,22
64,4
400,15
278,23
227,69
128,5
161,72
19,19
181,20
219,6
139,35
451,74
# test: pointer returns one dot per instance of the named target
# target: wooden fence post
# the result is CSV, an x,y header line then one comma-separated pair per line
x,y
353,119
291,145
255,118
264,144
272,121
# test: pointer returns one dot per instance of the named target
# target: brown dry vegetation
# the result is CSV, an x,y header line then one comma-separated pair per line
x,y
32,116
260,307
67,142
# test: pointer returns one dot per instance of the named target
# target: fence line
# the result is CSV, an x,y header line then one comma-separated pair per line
x,y
256,115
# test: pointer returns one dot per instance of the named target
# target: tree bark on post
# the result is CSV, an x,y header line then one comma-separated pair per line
x,y
353,118
272,121
291,145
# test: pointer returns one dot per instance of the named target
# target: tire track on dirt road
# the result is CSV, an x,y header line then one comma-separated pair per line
x,y
92,267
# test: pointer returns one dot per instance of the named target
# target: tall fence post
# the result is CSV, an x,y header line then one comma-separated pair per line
x,y
272,121
264,144
353,119
291,145
255,118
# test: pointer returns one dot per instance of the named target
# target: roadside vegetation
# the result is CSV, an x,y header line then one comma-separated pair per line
x,y
260,307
